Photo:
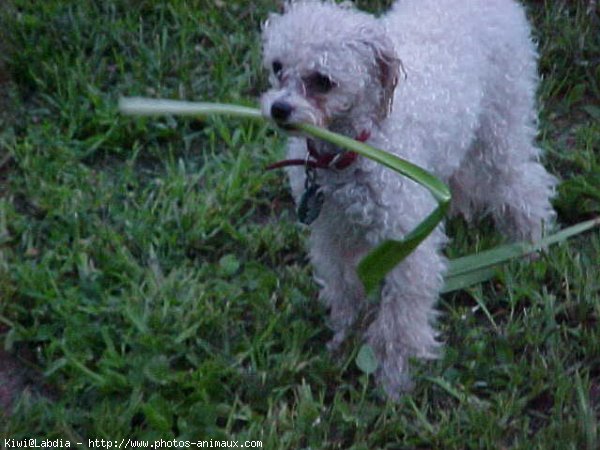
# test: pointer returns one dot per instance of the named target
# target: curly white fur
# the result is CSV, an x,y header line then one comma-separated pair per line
x,y
447,84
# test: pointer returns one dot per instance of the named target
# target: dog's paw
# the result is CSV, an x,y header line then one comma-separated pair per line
x,y
336,342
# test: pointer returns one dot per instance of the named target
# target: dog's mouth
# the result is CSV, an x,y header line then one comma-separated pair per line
x,y
287,112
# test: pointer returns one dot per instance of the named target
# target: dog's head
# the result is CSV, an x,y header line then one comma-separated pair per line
x,y
330,65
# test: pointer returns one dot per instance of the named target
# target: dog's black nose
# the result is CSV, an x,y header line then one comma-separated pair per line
x,y
281,110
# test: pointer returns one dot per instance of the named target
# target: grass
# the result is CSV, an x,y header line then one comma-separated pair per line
x,y
154,284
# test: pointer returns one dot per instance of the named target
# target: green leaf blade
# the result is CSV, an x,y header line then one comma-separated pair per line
x,y
507,252
373,268
477,268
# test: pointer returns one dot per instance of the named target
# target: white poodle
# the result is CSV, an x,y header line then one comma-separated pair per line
x,y
446,84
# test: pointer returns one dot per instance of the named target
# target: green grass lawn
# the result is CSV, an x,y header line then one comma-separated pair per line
x,y
154,284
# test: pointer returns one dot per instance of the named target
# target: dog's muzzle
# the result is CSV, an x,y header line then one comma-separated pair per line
x,y
281,111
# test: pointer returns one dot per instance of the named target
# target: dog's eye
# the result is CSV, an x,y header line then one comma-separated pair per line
x,y
318,83
277,67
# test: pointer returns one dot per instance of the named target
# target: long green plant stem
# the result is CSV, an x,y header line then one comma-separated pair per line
x,y
373,268
139,106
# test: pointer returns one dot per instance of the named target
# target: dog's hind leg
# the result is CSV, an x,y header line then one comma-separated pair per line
x,y
502,173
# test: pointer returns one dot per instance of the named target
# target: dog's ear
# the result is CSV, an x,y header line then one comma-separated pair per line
x,y
388,66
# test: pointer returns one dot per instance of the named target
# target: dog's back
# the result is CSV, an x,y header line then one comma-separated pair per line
x,y
459,58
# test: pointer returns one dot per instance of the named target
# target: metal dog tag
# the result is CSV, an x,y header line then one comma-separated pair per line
x,y
310,204
312,199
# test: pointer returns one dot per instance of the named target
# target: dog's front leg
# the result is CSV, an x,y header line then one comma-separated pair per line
x,y
403,326
334,253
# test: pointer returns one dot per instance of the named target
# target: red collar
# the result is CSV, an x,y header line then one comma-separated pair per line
x,y
314,160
